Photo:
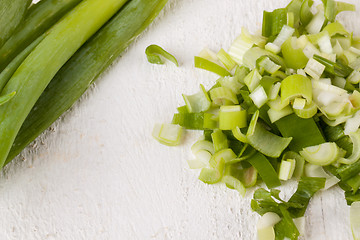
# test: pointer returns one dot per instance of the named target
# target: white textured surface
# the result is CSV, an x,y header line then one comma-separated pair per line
x,y
100,175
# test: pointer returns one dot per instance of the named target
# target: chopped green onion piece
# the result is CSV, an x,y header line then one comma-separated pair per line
x,y
285,33
223,95
286,170
210,66
234,183
322,154
354,77
268,65
265,170
167,134
232,83
153,53
231,117
305,12
294,56
275,115
253,54
196,121
296,86
199,102
355,155
308,111
264,141
259,97
226,59
325,44
293,126
337,69
219,140
355,220
330,10
7,97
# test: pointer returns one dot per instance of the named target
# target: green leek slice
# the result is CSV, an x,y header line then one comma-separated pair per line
x,y
252,80
226,154
335,68
287,168
299,163
167,134
219,140
239,135
210,66
275,115
265,169
196,121
234,183
355,155
223,95
226,59
296,86
305,13
273,22
307,112
199,102
322,154
153,53
294,56
293,126
212,175
231,117
203,145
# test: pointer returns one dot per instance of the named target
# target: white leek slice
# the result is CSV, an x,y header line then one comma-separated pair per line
x,y
354,50
223,95
308,111
252,80
231,117
167,134
226,154
339,82
209,55
354,77
196,164
355,155
199,102
314,68
299,103
325,44
268,65
352,124
310,50
316,23
355,220
234,183
287,168
265,226
285,33
231,83
226,59
275,115
277,104
312,170
322,154
274,91
259,97
239,47
202,145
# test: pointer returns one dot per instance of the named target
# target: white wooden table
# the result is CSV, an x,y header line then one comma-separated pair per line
x,y
100,175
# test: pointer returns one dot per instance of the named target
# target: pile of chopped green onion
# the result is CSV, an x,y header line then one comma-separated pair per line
x,y
286,106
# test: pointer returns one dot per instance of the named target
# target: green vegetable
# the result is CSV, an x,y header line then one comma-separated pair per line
x,y
337,69
153,53
168,134
273,22
210,66
84,67
39,19
12,13
35,73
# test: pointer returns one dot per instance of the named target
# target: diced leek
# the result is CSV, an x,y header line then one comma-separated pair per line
x,y
167,134
335,28
325,44
268,65
252,80
196,164
299,163
199,102
239,135
355,155
275,115
274,91
308,111
232,83
223,95
338,69
203,145
210,66
273,22
226,154
231,117
354,77
312,170
314,68
277,104
294,56
234,183
254,53
316,23
219,140
352,124
239,47
208,55
355,99
322,154
310,50
343,6
330,10
153,53
203,155
287,168
305,13
266,142
299,103
285,33
355,220
265,226
265,169
225,58
197,121
212,175
259,97
296,86
293,126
